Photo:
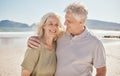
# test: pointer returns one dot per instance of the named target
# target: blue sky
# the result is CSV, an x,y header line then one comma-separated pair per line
x,y
30,11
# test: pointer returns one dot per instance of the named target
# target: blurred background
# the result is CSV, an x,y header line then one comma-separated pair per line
x,y
18,19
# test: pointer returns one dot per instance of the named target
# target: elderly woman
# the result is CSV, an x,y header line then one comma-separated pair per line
x,y
42,60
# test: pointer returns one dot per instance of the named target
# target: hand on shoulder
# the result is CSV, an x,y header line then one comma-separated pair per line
x,y
33,42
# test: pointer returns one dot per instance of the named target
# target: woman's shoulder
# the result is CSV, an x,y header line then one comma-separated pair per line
x,y
61,34
39,48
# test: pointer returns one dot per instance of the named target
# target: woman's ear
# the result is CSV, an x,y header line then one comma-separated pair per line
x,y
44,27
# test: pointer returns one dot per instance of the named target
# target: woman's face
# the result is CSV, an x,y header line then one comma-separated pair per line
x,y
51,27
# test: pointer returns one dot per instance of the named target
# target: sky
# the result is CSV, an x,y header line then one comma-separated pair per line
x,y
31,11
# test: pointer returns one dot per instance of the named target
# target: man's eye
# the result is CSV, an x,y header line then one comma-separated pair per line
x,y
68,21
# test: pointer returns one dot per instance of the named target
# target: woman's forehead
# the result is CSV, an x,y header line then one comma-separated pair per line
x,y
52,19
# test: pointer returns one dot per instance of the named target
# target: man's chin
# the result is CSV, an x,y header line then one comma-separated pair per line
x,y
68,31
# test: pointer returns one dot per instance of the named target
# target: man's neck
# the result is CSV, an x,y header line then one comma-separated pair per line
x,y
79,32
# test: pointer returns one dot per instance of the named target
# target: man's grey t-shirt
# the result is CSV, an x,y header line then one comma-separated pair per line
x,y
77,55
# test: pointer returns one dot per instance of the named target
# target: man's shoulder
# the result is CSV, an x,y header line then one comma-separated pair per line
x,y
94,38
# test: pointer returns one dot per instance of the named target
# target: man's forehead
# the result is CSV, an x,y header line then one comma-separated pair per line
x,y
68,15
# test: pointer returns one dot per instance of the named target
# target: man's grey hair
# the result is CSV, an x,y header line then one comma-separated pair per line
x,y
78,10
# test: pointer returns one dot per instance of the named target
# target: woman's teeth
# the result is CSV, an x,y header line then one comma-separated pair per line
x,y
52,31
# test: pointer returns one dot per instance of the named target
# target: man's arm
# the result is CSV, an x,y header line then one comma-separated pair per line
x,y
33,42
101,71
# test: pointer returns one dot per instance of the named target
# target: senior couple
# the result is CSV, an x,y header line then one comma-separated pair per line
x,y
55,52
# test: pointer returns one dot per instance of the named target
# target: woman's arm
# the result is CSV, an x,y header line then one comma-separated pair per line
x,y
30,60
25,73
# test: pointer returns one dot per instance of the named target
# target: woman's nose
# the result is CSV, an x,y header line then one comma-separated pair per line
x,y
55,26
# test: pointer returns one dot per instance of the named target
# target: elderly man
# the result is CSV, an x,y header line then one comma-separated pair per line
x,y
77,50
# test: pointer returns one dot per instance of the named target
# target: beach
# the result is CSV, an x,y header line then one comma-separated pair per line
x,y
113,58
12,50
112,49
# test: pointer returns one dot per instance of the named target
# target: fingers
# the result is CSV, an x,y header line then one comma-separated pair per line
x,y
33,42
35,39
32,46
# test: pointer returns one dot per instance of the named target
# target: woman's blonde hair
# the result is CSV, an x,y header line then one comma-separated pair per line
x,y
40,30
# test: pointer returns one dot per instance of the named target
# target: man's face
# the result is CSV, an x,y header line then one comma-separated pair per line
x,y
72,24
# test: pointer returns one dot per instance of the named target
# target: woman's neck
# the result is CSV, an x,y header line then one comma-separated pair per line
x,y
48,41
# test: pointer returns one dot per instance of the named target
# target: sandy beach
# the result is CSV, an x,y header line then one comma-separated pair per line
x,y
11,56
113,58
12,53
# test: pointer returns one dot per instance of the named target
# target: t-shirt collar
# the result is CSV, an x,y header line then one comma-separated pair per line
x,y
83,34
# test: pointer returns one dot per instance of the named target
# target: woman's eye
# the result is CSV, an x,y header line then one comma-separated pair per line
x,y
50,24
57,25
